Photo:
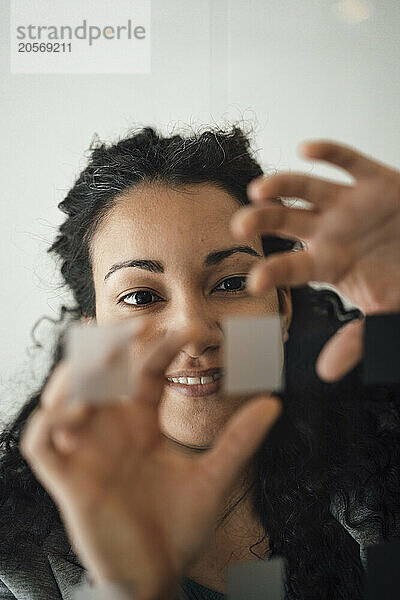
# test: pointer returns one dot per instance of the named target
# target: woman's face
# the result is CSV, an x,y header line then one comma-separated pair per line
x,y
191,270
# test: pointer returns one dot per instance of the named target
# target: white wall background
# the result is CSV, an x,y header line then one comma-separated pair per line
x,y
296,70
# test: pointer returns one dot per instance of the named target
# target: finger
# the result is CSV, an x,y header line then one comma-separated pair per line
x,y
343,156
149,376
37,447
148,380
283,269
46,455
103,437
292,222
37,443
54,396
342,352
293,185
239,440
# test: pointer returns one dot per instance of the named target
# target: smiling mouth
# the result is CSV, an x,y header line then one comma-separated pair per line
x,y
196,385
196,380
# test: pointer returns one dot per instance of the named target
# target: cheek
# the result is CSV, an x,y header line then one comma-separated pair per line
x,y
108,309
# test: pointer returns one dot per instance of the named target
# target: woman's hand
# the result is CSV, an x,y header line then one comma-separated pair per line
x,y
135,510
352,234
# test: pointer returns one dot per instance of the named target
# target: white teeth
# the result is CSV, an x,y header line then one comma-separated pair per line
x,y
195,380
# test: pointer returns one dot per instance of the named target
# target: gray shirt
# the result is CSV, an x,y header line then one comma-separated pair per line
x,y
54,572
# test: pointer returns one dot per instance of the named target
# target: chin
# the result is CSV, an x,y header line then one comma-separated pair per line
x,y
196,422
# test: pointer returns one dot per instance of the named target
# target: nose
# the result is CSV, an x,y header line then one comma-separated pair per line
x,y
194,311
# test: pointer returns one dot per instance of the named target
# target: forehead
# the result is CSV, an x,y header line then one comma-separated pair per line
x,y
159,222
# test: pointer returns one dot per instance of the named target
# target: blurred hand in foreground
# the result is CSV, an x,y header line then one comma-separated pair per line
x,y
135,510
352,234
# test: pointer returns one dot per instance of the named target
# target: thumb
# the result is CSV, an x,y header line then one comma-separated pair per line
x,y
240,439
342,352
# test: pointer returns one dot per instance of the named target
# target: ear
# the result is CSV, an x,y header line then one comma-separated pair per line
x,y
286,310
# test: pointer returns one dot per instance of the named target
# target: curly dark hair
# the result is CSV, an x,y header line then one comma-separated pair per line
x,y
331,463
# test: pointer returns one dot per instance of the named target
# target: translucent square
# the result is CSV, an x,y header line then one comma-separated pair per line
x,y
102,369
257,580
253,354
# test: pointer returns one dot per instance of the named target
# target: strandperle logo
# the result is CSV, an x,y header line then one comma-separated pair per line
x,y
85,31
76,36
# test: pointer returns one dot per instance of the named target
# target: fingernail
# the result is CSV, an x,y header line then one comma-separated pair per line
x,y
303,147
254,190
253,289
252,280
256,286
237,227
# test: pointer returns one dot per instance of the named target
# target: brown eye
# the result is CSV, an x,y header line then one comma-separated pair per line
x,y
232,284
139,298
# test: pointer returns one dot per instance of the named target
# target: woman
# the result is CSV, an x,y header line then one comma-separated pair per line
x,y
143,198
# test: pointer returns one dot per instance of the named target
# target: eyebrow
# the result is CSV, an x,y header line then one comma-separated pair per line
x,y
155,266
214,258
